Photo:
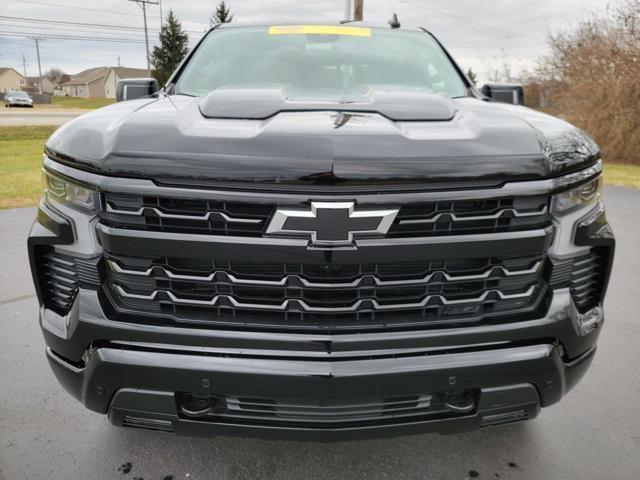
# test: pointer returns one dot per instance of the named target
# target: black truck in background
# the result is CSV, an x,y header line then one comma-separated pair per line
x,y
319,232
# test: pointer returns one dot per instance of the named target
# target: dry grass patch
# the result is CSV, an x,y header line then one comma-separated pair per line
x,y
622,175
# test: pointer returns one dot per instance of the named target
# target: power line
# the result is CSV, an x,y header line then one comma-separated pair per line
x,y
68,30
82,24
73,7
70,37
111,13
467,20
77,38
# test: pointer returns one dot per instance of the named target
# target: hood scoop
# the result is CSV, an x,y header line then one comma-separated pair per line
x,y
262,103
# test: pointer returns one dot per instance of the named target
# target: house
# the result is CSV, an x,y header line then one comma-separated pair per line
x,y
57,88
86,84
31,85
119,73
10,80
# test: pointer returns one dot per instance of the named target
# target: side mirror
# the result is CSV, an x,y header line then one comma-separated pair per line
x,y
504,92
132,88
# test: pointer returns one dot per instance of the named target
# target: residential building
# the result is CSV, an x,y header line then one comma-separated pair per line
x,y
31,85
10,80
118,73
86,84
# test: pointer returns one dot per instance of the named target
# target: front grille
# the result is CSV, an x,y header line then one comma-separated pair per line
x,y
585,275
419,219
221,287
160,214
471,216
350,296
60,275
340,414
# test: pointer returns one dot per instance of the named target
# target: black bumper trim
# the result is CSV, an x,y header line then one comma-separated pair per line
x,y
156,410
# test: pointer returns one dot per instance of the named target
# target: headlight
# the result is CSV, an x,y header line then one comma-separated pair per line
x,y
68,193
586,194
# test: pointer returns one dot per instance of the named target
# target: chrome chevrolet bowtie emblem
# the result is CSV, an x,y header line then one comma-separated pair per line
x,y
331,223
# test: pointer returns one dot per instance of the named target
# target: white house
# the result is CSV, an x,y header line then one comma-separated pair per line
x,y
118,73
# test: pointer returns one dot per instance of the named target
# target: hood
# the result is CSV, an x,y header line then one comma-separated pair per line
x,y
440,143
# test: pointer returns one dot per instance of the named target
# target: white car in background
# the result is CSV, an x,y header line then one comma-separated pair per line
x,y
18,99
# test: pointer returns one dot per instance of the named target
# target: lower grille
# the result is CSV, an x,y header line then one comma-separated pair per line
x,y
60,275
304,413
325,296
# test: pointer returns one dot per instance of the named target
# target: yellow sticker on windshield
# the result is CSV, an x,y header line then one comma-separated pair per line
x,y
320,30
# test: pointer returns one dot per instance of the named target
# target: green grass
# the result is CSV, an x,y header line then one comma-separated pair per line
x,y
76,102
21,161
20,165
622,175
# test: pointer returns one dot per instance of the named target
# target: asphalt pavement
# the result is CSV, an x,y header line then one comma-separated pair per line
x,y
31,116
594,433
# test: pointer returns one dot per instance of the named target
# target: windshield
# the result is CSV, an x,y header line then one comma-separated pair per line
x,y
320,61
19,95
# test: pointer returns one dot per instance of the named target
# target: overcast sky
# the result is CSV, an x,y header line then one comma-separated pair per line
x,y
479,34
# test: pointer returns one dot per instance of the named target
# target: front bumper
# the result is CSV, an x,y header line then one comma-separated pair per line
x,y
137,387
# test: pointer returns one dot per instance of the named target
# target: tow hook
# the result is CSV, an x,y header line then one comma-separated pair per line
x,y
193,405
458,402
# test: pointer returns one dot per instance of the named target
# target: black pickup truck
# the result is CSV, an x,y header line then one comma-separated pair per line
x,y
320,232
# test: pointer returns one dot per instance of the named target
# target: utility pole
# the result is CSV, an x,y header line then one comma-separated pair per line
x,y
358,10
353,10
37,39
347,10
24,66
118,60
143,4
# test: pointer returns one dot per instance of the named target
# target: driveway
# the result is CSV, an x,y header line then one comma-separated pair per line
x,y
593,434
29,116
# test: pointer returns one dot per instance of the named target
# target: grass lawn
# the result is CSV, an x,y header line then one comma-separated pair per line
x,y
21,160
76,102
622,175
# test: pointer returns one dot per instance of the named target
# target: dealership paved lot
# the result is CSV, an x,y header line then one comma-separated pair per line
x,y
593,434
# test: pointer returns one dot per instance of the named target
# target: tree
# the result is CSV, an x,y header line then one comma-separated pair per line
x,y
54,74
472,76
222,15
173,48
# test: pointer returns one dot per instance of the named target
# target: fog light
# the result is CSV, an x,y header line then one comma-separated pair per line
x,y
590,320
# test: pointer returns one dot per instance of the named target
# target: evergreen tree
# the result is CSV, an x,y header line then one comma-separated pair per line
x,y
473,77
173,48
222,15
